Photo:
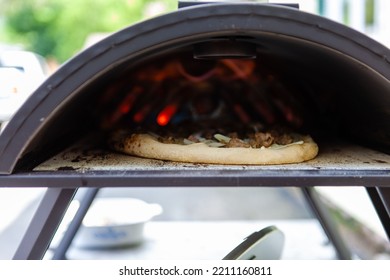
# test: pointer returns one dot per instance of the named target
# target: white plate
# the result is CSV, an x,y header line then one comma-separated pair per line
x,y
115,222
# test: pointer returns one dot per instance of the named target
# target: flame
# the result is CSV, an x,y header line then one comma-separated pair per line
x,y
244,117
166,114
265,112
141,114
192,78
176,83
125,105
242,69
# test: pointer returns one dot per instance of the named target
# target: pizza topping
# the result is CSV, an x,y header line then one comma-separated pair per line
x,y
168,140
237,143
261,139
226,135
277,146
255,140
193,139
187,141
222,138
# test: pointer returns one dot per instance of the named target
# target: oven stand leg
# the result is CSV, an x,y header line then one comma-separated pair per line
x,y
74,225
380,197
44,223
327,222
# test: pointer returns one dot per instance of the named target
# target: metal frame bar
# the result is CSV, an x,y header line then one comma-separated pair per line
x,y
44,224
71,231
380,198
199,177
327,223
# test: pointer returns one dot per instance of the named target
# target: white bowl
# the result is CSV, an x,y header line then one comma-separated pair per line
x,y
115,222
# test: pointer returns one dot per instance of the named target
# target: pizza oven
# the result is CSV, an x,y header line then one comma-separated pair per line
x,y
246,63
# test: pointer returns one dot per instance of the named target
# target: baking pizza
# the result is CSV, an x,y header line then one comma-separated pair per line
x,y
211,147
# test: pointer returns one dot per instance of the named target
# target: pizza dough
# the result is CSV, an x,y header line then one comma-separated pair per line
x,y
148,146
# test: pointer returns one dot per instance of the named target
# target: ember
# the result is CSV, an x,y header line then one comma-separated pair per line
x,y
166,114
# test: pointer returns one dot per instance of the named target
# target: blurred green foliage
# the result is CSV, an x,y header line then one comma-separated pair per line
x,y
59,28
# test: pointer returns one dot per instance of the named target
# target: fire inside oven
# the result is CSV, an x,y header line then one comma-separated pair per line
x,y
226,93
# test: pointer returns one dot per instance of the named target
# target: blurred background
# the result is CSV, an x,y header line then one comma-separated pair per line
x,y
38,36
58,29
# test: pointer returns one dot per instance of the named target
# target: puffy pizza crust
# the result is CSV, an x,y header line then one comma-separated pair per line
x,y
147,146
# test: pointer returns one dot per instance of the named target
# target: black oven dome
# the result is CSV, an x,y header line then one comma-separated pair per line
x,y
334,64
